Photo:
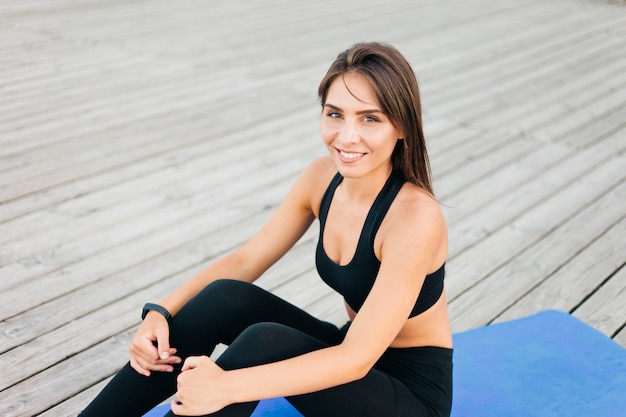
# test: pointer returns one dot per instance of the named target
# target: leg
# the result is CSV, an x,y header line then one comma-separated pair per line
x,y
377,394
218,314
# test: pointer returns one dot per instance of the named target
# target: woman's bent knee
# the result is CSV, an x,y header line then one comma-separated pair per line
x,y
267,342
233,290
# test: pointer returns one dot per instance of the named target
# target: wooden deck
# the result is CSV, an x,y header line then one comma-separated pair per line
x,y
141,139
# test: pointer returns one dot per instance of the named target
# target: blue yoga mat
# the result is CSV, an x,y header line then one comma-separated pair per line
x,y
546,365
274,407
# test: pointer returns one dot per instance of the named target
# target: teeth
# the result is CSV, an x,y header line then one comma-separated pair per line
x,y
350,155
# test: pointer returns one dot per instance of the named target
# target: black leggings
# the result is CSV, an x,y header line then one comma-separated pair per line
x,y
261,328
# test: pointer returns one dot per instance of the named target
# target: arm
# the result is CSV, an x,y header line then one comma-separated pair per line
x,y
405,262
292,218
274,239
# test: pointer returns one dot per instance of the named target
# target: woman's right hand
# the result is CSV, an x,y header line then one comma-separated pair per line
x,y
150,348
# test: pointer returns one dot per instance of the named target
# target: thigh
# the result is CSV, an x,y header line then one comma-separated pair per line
x,y
377,394
225,308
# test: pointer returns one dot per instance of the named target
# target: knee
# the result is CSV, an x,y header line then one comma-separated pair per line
x,y
218,299
265,335
227,287
267,342
226,293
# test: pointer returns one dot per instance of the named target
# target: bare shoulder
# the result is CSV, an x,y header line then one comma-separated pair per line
x,y
416,220
416,204
315,179
321,167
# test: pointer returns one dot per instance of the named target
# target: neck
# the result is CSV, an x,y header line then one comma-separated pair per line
x,y
367,187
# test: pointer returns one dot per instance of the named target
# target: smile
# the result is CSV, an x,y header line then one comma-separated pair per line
x,y
351,156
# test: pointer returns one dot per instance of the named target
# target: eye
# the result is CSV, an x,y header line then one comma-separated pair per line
x,y
370,119
333,115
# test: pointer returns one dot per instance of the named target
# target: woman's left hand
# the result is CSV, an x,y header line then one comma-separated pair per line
x,y
199,392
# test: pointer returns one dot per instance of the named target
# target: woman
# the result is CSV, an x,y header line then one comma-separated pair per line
x,y
382,245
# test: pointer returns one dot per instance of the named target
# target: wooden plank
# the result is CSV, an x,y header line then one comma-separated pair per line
x,y
184,260
577,279
89,167
468,267
523,68
526,269
88,213
112,318
604,310
65,273
75,336
112,184
578,90
477,195
74,405
86,80
477,225
102,239
493,48
38,393
621,337
553,101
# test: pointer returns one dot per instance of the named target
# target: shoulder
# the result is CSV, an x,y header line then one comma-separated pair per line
x,y
314,181
415,222
322,168
415,205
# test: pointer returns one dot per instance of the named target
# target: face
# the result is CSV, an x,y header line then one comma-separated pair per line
x,y
358,135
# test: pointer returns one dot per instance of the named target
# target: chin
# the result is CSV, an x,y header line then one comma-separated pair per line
x,y
349,171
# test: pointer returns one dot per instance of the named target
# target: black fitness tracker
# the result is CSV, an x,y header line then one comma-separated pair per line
x,y
159,309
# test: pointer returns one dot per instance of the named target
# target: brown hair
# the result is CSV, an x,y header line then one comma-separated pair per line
x,y
395,86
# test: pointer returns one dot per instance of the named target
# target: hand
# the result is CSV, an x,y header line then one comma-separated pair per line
x,y
144,355
199,391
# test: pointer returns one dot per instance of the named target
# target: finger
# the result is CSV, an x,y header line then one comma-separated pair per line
x,y
146,361
138,368
149,362
190,363
177,407
143,347
163,343
172,359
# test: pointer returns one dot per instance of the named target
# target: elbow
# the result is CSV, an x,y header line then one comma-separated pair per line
x,y
360,362
361,371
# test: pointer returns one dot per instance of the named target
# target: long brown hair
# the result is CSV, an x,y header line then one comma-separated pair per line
x,y
395,86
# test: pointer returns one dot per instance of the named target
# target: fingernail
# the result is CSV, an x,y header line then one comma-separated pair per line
x,y
165,355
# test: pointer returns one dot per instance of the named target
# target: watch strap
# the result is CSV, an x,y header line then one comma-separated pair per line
x,y
155,307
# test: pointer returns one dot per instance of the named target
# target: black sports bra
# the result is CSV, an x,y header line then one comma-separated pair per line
x,y
355,280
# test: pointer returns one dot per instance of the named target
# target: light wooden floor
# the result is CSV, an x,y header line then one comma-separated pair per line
x,y
141,139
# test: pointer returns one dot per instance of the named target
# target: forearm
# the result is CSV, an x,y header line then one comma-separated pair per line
x,y
310,372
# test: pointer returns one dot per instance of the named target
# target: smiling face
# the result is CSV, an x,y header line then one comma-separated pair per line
x,y
358,135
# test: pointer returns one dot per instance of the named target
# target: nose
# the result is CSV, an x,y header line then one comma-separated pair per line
x,y
349,133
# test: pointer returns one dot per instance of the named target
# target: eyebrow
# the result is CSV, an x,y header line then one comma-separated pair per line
x,y
358,112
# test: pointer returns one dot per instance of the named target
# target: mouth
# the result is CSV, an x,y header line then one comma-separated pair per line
x,y
349,156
